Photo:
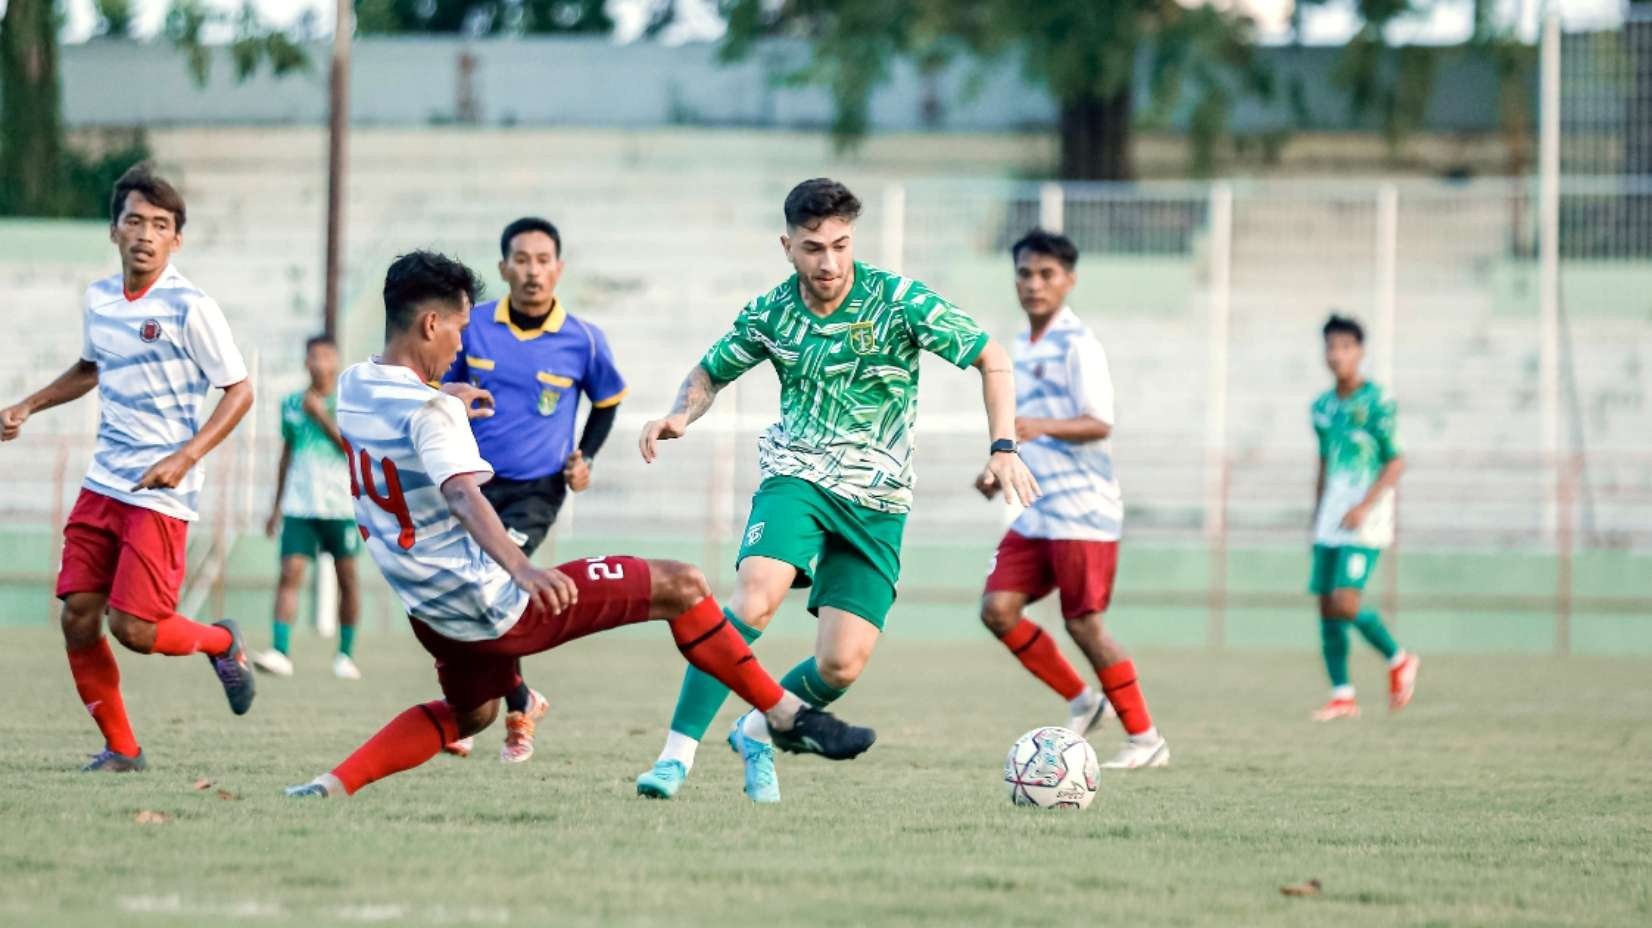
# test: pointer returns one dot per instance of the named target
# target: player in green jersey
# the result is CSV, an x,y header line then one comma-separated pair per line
x,y
844,338
1360,462
313,511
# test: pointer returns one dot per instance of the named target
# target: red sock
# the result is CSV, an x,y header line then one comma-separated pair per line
x,y
97,679
409,740
1038,653
710,643
1119,683
179,637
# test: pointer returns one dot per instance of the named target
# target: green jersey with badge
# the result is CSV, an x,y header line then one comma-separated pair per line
x,y
318,478
848,382
1357,437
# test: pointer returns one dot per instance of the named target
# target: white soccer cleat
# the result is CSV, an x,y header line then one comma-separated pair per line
x,y
1087,712
1140,753
344,668
273,662
460,748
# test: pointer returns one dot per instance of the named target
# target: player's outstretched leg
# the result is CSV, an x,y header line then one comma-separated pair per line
x,y
408,741
176,636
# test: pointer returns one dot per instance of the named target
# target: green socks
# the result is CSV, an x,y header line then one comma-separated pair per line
x,y
702,695
806,682
1333,644
283,636
1370,626
347,640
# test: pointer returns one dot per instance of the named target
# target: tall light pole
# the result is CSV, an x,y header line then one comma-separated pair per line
x,y
338,131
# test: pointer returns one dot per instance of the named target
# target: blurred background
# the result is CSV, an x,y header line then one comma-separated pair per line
x,y
1471,178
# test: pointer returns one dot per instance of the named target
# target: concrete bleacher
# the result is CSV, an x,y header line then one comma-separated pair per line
x,y
668,232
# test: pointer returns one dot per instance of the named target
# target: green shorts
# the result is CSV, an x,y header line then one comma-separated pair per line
x,y
850,555
304,537
1341,568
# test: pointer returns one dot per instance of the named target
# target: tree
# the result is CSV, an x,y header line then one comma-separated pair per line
x,y
254,43
1084,51
32,168
484,17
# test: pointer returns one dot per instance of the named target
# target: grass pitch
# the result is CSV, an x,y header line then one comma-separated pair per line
x,y
1515,791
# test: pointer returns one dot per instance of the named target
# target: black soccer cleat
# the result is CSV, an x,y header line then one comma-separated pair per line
x,y
233,670
819,732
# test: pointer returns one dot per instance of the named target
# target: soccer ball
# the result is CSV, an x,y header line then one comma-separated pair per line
x,y
1052,768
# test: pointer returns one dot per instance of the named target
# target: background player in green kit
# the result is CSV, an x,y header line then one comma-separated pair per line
x,y
313,510
1360,462
844,339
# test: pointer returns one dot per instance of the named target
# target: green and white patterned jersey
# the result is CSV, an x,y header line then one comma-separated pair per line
x,y
318,479
848,382
1357,436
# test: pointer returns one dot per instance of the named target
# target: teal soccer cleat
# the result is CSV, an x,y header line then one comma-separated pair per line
x,y
762,785
662,780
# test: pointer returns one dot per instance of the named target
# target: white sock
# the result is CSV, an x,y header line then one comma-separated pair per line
x,y
1342,692
680,748
1398,658
1150,736
755,727
1084,701
330,783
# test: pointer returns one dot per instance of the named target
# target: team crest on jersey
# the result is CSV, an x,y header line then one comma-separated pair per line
x,y
863,337
755,534
150,330
548,400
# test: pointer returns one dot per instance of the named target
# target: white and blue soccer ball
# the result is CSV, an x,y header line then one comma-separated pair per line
x,y
1052,768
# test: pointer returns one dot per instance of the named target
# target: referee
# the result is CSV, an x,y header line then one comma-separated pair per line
x,y
536,359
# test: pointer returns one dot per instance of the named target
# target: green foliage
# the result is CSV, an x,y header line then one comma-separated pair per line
x,y
483,17
253,44
115,18
32,169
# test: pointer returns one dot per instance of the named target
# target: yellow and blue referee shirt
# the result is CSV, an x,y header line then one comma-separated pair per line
x,y
535,376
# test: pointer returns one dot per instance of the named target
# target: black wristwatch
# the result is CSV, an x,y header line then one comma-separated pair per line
x,y
1004,446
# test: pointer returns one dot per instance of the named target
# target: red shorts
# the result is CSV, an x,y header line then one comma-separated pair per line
x,y
1082,570
613,591
135,556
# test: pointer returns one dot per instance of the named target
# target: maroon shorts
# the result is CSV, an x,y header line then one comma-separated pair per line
x,y
135,556
1082,570
613,591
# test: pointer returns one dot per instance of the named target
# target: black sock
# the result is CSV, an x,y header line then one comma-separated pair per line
x,y
517,700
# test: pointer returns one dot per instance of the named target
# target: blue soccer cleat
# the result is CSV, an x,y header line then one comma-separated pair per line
x,y
662,780
233,670
762,785
107,761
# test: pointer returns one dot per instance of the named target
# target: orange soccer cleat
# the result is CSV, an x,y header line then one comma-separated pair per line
x,y
1402,682
519,728
1337,708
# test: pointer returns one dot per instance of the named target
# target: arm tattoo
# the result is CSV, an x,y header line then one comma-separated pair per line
x,y
696,394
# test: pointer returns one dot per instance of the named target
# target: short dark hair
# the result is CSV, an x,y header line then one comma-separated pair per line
x,y
418,276
1346,325
818,199
528,224
319,340
139,178
1043,242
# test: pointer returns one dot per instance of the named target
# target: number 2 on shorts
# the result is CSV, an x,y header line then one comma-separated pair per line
x,y
598,568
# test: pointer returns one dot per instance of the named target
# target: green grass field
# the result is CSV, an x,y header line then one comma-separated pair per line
x,y
1516,791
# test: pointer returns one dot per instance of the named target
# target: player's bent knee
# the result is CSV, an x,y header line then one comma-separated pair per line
x,y
131,631
998,616
840,672
82,619
676,586
476,719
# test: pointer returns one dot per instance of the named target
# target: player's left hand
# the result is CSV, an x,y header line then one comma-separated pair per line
x,y
577,472
478,402
315,406
1354,517
1028,429
11,421
1016,480
166,473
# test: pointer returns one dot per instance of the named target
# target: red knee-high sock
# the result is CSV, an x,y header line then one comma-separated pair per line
x,y
178,637
1038,653
1119,683
710,643
97,679
409,740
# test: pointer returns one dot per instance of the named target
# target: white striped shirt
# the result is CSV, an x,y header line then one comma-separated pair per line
x,y
1063,375
405,440
158,356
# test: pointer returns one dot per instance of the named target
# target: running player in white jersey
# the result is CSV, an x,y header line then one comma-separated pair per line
x,y
155,347
1069,539
475,601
